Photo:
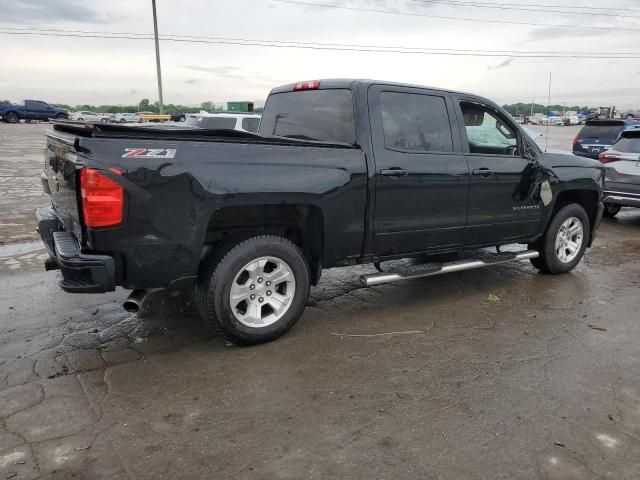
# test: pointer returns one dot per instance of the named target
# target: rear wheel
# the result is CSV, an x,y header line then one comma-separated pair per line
x,y
563,244
257,291
611,210
11,117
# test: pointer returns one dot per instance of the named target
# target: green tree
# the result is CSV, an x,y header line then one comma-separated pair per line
x,y
144,104
207,106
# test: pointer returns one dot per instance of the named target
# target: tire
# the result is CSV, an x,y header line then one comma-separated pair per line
x,y
251,318
11,117
81,119
611,210
569,227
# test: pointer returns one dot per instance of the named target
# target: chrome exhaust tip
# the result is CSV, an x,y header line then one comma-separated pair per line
x,y
135,301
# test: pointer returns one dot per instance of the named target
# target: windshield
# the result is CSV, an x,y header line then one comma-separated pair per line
x,y
324,115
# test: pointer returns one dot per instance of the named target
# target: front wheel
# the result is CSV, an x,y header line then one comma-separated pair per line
x,y
611,210
563,244
11,117
257,292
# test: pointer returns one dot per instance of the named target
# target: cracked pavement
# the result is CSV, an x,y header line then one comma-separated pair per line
x,y
493,373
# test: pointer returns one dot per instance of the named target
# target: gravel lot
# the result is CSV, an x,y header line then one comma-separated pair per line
x,y
499,373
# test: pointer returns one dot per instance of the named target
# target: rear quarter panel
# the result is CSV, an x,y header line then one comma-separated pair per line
x,y
170,201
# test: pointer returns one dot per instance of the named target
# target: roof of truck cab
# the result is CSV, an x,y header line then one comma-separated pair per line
x,y
353,83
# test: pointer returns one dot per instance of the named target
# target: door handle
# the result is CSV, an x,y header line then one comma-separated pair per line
x,y
484,172
394,172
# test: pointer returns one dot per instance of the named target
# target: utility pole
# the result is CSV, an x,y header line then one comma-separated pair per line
x,y
155,31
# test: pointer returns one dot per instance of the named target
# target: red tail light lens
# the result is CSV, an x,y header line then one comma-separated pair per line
x,y
575,139
606,157
309,85
102,198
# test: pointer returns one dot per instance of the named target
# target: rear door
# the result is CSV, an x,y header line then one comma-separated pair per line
x,y
501,178
421,176
37,110
623,164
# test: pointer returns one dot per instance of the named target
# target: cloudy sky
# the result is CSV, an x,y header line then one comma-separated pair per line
x,y
99,70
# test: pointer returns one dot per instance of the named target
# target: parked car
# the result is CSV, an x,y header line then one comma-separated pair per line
x,y
125,118
31,110
622,181
86,116
177,116
243,122
341,172
599,135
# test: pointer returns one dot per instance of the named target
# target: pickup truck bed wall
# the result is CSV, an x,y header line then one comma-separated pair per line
x,y
171,203
344,204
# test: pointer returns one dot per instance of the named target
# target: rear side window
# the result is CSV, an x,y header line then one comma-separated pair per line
x,y
415,123
628,144
212,123
324,115
250,124
608,133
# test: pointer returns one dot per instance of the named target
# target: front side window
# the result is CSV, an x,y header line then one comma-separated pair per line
x,y
486,132
415,122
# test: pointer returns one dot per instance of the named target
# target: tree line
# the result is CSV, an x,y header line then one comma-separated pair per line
x,y
525,108
143,105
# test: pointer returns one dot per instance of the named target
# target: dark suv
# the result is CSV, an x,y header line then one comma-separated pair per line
x,y
599,135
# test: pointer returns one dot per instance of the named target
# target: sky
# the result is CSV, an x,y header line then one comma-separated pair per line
x,y
122,71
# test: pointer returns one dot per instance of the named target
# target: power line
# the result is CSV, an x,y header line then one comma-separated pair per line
x,y
444,17
608,9
511,6
330,47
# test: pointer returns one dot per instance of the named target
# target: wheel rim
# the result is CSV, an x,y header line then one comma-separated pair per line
x,y
262,292
569,239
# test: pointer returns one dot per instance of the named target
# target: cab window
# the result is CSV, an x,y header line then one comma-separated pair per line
x,y
487,133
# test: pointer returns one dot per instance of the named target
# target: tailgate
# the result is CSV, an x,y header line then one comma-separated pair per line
x,y
61,179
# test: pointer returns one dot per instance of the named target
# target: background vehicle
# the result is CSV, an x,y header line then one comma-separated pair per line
x,y
243,122
177,116
622,181
125,118
31,110
342,172
85,116
153,117
599,135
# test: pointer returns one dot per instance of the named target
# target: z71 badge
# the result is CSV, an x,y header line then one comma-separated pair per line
x,y
149,152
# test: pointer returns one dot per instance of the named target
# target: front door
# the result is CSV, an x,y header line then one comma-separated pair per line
x,y
501,206
421,176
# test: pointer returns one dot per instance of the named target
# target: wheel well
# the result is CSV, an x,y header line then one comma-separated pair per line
x,y
301,224
588,199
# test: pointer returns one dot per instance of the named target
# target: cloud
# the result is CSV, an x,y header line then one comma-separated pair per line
x,y
504,64
226,71
190,81
50,11
560,32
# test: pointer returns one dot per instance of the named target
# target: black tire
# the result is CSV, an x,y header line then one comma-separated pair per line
x,y
611,210
548,261
11,117
216,279
81,119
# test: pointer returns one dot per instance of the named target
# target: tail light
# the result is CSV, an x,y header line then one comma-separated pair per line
x,y
308,85
575,139
102,198
608,157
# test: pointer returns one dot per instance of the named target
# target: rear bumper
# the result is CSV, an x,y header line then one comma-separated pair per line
x,y
81,273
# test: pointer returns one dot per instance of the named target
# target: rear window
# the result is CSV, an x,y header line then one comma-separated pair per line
x,y
212,123
324,115
250,124
629,143
608,132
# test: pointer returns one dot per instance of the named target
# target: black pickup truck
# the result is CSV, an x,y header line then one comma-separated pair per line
x,y
341,172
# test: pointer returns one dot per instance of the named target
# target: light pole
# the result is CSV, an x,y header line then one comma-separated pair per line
x,y
155,31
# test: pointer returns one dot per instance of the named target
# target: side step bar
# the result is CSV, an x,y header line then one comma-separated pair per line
x,y
430,269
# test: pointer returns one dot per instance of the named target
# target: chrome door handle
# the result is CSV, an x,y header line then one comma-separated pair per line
x,y
484,172
394,172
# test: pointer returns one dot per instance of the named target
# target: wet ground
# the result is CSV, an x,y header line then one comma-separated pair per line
x,y
501,373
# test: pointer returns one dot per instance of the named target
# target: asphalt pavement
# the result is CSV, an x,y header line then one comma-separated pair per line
x,y
498,373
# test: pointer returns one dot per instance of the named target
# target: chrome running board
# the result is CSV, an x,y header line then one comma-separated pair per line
x,y
431,269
